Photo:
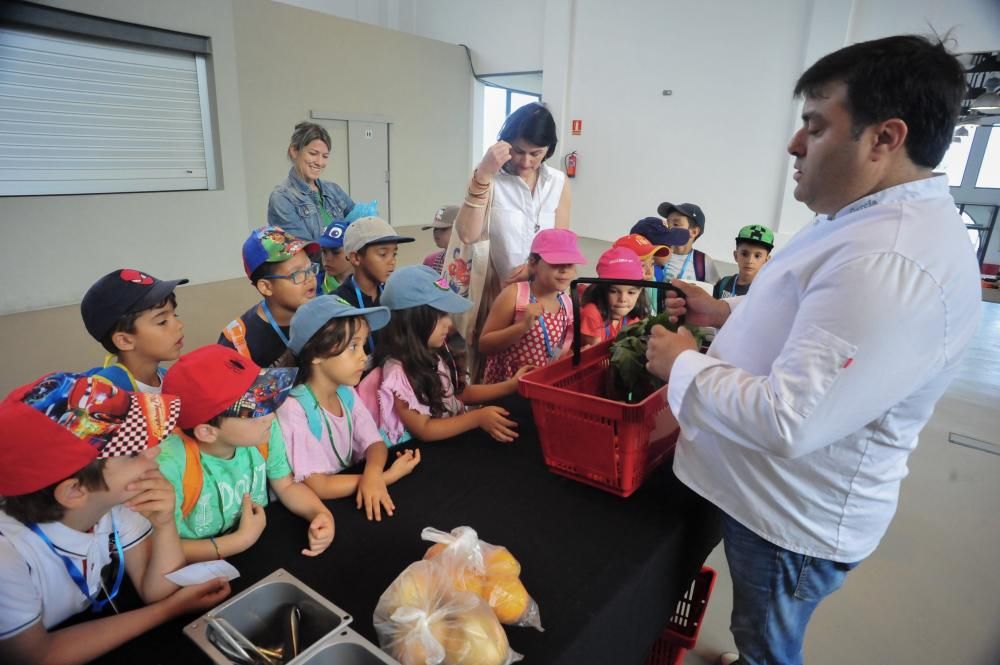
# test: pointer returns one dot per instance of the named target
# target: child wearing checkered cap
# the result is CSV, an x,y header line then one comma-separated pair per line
x,y
82,504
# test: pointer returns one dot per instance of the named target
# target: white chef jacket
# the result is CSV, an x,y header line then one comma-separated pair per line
x,y
799,420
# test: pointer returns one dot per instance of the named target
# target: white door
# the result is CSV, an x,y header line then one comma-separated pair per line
x,y
368,163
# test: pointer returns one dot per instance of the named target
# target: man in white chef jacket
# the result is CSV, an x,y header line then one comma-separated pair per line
x,y
798,422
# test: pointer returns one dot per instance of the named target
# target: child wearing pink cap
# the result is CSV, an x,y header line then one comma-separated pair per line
x,y
608,308
531,323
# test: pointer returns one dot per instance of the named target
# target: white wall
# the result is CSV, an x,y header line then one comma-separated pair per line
x,y
718,140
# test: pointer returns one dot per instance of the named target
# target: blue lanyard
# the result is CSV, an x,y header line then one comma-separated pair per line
x,y
77,576
684,267
361,304
544,327
274,324
607,327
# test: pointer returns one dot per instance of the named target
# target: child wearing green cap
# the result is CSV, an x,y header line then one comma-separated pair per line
x,y
753,249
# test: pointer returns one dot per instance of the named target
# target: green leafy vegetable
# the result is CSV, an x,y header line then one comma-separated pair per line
x,y
631,382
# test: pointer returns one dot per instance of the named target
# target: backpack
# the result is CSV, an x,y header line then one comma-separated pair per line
x,y
236,332
118,374
194,475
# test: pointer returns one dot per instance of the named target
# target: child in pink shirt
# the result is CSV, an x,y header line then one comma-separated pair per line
x,y
326,427
416,389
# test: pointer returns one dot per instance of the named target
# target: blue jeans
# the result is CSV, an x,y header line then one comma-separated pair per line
x,y
774,594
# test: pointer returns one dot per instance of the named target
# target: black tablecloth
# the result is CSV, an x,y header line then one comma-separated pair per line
x,y
606,572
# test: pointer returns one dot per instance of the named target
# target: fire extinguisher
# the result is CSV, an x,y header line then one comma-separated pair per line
x,y
569,162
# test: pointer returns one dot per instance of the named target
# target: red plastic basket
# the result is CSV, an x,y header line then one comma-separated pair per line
x,y
601,442
682,629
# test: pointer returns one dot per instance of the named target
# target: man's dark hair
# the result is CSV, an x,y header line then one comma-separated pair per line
x,y
908,77
41,506
127,324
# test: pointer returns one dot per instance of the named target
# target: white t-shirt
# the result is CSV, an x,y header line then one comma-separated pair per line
x,y
146,388
34,582
799,420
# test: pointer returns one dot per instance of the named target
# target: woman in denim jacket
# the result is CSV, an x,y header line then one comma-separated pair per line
x,y
303,205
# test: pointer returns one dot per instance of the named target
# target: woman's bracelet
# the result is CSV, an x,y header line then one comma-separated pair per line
x,y
473,204
478,195
218,554
485,185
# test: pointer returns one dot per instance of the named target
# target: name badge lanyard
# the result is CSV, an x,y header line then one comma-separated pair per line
x,y
684,267
545,328
78,578
274,324
361,304
607,327
329,430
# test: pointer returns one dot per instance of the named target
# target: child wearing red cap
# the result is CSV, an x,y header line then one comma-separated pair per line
x,y
229,449
81,495
531,323
607,308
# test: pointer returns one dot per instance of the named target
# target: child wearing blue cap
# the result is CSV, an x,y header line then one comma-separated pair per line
x,y
335,267
417,390
326,428
280,268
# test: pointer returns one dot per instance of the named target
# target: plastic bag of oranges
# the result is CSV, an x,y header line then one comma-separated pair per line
x,y
422,620
489,571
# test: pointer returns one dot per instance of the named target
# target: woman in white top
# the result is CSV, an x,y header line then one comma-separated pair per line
x,y
528,195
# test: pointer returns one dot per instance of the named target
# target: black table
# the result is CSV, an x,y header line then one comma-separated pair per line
x,y
605,571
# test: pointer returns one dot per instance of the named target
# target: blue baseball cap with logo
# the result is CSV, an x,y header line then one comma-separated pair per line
x,y
411,286
333,235
311,317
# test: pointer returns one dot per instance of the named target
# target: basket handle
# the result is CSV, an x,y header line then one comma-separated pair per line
x,y
575,298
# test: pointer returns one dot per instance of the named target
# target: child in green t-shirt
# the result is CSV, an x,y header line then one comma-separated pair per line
x,y
229,449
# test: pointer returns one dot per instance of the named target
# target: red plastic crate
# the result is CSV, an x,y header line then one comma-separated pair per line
x,y
601,442
682,629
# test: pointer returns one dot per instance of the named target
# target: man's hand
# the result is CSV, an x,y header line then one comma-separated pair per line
x,y
664,347
697,307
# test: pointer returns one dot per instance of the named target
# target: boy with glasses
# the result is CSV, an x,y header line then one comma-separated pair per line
x,y
280,268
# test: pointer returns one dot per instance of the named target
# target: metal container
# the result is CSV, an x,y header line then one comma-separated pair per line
x,y
257,614
346,647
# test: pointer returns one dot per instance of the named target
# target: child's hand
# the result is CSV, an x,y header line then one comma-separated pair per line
x,y
320,534
403,465
521,372
252,522
493,420
531,313
198,597
373,495
155,499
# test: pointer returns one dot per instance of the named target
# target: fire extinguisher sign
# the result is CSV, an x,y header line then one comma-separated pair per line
x,y
577,127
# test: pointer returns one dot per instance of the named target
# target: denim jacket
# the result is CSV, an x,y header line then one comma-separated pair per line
x,y
292,206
